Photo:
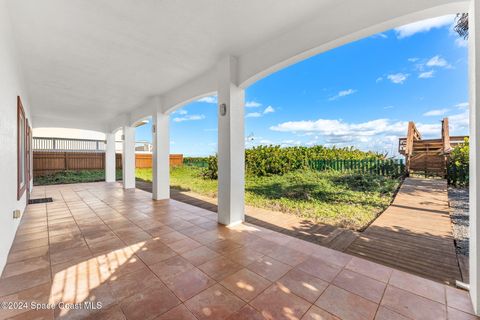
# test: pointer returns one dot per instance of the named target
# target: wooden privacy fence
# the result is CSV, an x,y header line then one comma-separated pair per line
x,y
144,160
390,167
49,162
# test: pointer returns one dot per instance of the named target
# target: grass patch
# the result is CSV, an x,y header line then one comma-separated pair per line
x,y
336,198
340,199
186,179
66,177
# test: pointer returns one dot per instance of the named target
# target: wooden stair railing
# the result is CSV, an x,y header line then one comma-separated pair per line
x,y
428,155
412,135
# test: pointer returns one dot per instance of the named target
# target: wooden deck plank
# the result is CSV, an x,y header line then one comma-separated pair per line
x,y
414,234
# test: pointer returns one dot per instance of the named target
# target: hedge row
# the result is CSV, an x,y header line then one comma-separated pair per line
x,y
270,160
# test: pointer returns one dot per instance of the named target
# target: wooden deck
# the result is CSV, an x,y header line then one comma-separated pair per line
x,y
414,234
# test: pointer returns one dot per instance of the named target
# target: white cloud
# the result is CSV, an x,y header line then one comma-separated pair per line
x,y
191,117
265,141
462,105
343,93
413,59
209,99
398,78
252,141
437,61
379,79
380,35
181,111
253,115
338,128
426,74
268,109
341,128
460,42
459,123
290,142
252,104
424,26
376,135
436,112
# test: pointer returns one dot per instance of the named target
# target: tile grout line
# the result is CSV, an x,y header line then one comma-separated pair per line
x,y
127,245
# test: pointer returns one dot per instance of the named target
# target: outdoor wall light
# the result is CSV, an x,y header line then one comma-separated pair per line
x,y
223,109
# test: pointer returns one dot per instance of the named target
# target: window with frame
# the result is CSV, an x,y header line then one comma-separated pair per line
x,y
21,149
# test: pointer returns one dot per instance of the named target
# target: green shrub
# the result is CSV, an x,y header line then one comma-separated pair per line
x,y
461,153
211,171
272,160
457,171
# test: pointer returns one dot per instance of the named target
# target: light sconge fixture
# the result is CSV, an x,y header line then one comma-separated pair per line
x,y
222,109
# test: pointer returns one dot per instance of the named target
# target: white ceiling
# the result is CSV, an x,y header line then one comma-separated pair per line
x,y
104,57
90,61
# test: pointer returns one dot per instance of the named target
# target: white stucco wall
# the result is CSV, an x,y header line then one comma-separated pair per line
x,y
10,87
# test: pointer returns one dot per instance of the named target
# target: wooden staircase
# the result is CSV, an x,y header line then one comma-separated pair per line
x,y
428,157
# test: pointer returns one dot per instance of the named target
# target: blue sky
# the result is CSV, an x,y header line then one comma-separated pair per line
x,y
361,94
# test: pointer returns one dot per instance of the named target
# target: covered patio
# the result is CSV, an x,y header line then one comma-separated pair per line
x,y
134,258
106,66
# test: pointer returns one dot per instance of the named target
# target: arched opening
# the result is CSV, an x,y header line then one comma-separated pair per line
x,y
63,155
193,138
310,104
416,72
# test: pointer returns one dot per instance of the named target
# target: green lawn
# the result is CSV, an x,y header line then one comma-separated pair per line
x,y
66,177
346,200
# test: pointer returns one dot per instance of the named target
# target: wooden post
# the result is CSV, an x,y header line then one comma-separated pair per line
x,y
446,143
445,136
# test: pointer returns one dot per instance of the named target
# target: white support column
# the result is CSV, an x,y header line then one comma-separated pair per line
x,y
110,158
231,145
474,88
161,156
128,157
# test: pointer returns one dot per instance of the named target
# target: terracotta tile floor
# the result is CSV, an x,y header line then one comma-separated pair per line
x,y
133,258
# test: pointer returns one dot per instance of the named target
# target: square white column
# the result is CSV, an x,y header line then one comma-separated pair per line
x,y
231,145
474,88
128,157
110,158
161,156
